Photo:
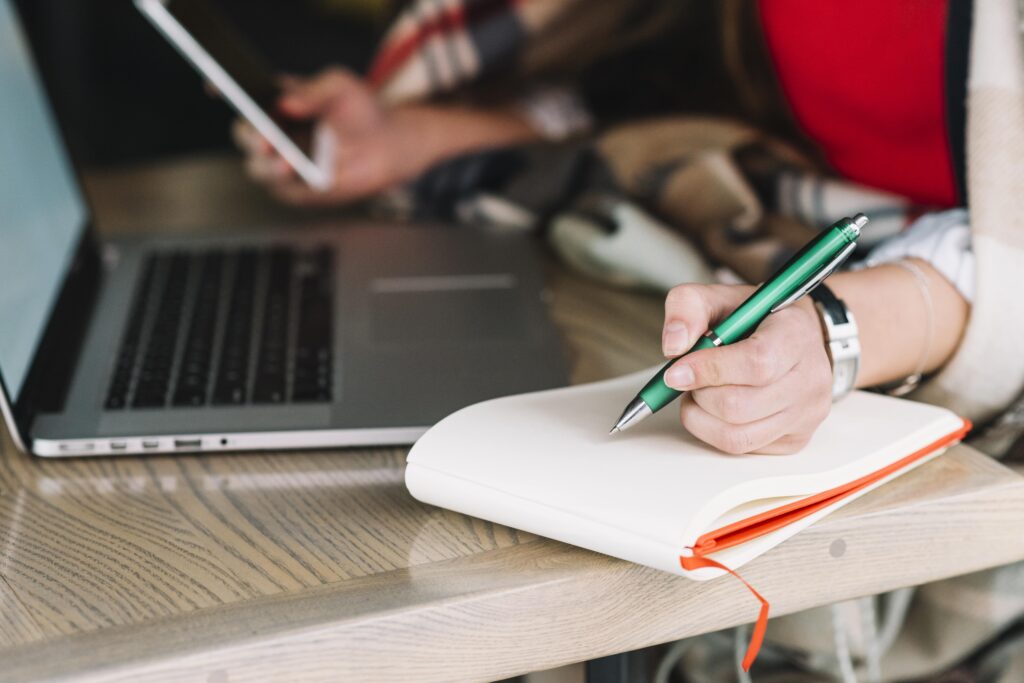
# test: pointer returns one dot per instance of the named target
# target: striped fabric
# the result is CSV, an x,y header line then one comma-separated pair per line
x,y
942,239
434,46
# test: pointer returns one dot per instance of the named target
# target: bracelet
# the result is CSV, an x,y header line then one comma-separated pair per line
x,y
911,382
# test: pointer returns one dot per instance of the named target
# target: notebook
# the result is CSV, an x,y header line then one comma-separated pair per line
x,y
544,463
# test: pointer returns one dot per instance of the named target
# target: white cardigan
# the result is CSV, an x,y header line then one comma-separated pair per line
x,y
987,371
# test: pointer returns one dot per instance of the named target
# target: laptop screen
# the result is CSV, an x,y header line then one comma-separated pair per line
x,y
42,211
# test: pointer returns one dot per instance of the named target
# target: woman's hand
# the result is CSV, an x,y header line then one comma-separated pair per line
x,y
377,147
373,150
765,394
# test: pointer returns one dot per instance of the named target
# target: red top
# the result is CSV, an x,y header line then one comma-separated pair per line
x,y
866,81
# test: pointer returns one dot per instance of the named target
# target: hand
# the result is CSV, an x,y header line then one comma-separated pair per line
x,y
765,394
376,147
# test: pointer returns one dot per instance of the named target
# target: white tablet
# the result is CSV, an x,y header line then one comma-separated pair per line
x,y
223,58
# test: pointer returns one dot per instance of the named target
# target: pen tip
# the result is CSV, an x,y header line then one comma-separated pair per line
x,y
614,430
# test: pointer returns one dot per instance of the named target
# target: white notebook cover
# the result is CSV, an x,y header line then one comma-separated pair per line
x,y
544,463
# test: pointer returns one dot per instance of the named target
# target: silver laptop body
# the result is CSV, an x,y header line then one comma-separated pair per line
x,y
297,337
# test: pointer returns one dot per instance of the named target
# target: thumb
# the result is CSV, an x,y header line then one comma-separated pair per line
x,y
309,98
691,310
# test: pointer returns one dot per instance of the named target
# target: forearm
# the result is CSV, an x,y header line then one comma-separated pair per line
x,y
433,133
892,316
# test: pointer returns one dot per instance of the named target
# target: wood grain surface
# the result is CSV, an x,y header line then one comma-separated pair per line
x,y
318,566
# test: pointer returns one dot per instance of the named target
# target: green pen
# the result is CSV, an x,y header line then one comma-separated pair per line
x,y
805,271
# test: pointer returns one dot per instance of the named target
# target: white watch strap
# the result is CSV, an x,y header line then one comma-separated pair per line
x,y
843,343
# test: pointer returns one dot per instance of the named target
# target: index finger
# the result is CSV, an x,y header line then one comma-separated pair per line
x,y
691,309
761,359
305,99
249,139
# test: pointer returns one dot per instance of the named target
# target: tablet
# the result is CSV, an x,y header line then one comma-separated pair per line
x,y
219,53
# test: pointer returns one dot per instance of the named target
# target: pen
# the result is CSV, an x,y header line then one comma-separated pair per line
x,y
802,273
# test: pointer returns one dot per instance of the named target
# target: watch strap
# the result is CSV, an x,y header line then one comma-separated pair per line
x,y
842,340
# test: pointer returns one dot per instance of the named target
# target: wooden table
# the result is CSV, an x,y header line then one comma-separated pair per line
x,y
319,566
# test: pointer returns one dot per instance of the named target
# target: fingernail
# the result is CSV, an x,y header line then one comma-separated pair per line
x,y
679,377
674,339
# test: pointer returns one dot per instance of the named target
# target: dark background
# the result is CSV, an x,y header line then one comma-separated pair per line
x,y
123,93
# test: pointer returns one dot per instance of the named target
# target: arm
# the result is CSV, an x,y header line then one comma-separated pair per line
x,y
894,336
378,147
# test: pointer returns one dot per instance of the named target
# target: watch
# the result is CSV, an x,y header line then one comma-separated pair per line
x,y
841,339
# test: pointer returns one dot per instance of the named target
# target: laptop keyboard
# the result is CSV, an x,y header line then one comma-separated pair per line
x,y
228,328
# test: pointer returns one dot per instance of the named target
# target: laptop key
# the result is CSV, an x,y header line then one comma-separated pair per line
x,y
312,371
154,382
195,366
120,384
231,384
270,383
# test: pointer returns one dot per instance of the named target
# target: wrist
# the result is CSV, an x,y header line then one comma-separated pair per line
x,y
431,133
814,334
420,142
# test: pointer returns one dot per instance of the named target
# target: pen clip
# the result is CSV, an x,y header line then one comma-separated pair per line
x,y
818,278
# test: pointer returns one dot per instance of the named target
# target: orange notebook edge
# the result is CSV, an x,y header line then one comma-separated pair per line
x,y
747,529
752,527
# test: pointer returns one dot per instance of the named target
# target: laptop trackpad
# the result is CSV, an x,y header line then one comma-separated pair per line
x,y
447,308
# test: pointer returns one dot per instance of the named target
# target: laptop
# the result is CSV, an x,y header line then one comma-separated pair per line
x,y
359,333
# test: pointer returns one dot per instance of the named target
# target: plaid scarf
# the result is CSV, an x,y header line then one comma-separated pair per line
x,y
747,199
437,46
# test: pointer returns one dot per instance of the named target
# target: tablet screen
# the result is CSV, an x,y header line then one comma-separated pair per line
x,y
242,63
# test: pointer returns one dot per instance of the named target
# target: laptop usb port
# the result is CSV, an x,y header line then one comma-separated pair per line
x,y
188,443
76,447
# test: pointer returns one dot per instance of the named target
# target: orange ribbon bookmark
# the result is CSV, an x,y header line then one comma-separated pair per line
x,y
694,561
772,520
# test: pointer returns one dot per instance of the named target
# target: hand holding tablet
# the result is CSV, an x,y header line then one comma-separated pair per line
x,y
378,146
326,139
222,57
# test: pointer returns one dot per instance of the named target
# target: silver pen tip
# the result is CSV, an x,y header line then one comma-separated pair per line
x,y
860,220
614,430
635,412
